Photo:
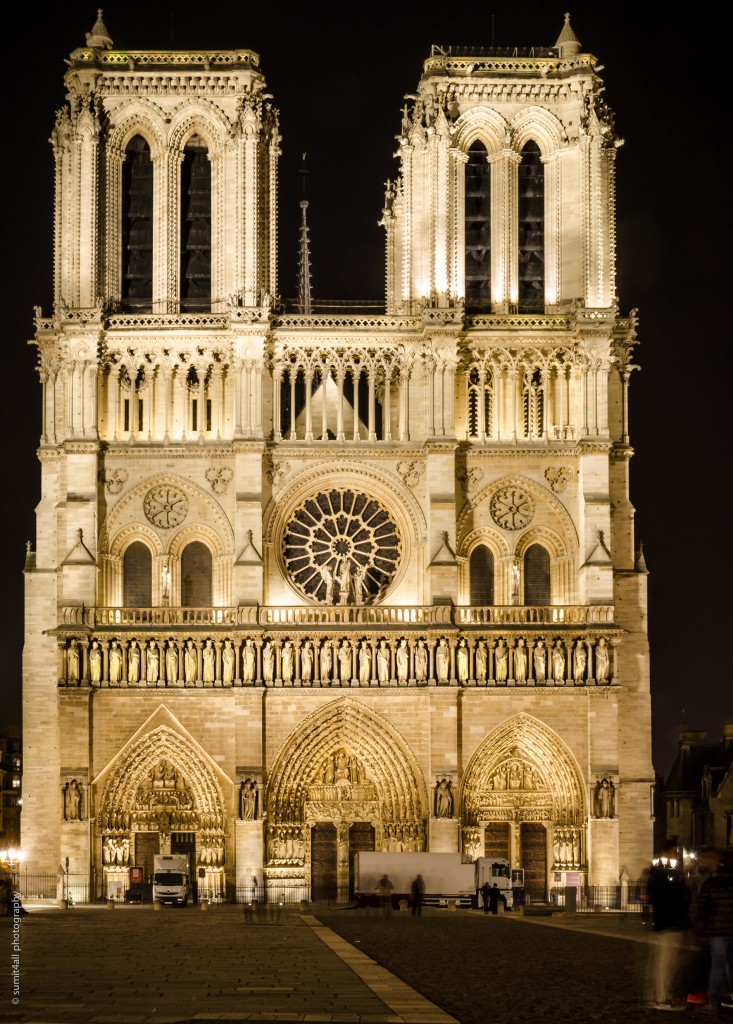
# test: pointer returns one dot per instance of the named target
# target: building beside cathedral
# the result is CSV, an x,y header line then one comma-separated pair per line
x,y
308,584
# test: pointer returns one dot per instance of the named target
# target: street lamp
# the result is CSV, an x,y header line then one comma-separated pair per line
x,y
12,857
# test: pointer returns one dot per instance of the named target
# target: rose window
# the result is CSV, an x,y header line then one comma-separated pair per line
x,y
341,547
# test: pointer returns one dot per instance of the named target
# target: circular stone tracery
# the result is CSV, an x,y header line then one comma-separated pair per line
x,y
341,547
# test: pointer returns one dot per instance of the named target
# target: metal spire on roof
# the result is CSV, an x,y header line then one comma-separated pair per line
x,y
304,261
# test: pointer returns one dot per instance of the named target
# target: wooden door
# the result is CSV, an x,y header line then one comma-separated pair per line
x,y
361,837
496,840
323,861
534,859
147,846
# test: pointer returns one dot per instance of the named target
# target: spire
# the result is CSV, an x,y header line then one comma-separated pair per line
x,y
99,38
567,42
304,262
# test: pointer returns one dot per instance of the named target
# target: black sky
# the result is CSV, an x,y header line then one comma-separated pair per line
x,y
338,75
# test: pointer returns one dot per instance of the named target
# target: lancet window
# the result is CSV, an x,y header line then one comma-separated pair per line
x,y
531,218
477,230
481,572
137,576
196,576
536,576
137,227
195,281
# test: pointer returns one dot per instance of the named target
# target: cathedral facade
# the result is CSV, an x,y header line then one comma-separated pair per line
x,y
310,584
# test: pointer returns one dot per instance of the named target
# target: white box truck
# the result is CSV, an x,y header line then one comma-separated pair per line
x,y
447,876
171,883
496,871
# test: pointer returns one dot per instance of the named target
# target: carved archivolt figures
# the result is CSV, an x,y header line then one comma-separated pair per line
x,y
604,799
72,800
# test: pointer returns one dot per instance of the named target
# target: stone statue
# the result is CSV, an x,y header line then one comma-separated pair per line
x,y
358,578
579,660
365,662
208,657
327,577
152,662
442,660
72,801
171,663
558,662
228,659
306,661
383,662
604,799
481,660
72,662
95,662
403,661
443,799
189,663
462,661
540,661
421,661
133,663
501,662
344,581
326,661
344,656
115,662
520,661
268,661
286,662
601,661
248,799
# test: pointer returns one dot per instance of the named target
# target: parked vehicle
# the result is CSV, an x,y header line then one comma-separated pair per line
x,y
496,870
171,882
447,876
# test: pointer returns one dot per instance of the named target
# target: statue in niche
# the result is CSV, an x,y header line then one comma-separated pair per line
x,y
403,660
558,662
579,661
365,662
248,799
189,663
133,663
442,660
462,661
72,662
501,662
72,801
443,798
208,657
383,662
604,798
344,656
306,661
95,662
481,660
601,661
152,662
520,661
286,662
540,661
268,661
115,662
248,661
326,660
171,663
421,661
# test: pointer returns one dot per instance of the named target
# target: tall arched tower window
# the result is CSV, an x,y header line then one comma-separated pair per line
x,y
195,228
137,226
137,591
196,587
536,575
478,229
531,215
481,571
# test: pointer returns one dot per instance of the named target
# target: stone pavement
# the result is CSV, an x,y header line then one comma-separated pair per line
x,y
137,965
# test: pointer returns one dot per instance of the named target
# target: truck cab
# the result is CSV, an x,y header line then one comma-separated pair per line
x,y
171,882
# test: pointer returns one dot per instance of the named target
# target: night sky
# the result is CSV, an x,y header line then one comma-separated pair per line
x,y
338,76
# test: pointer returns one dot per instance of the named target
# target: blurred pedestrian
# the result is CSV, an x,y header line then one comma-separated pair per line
x,y
485,894
704,863
384,891
669,902
494,897
715,912
418,892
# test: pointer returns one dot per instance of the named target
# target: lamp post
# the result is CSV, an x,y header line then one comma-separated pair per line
x,y
12,857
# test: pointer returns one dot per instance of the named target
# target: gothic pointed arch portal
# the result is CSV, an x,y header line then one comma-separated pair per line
x,y
524,784
345,780
162,796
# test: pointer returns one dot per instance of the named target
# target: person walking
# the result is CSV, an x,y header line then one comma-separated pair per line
x,y
485,894
715,914
384,891
494,897
705,862
418,892
669,902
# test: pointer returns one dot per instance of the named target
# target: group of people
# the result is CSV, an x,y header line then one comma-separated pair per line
x,y
695,904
